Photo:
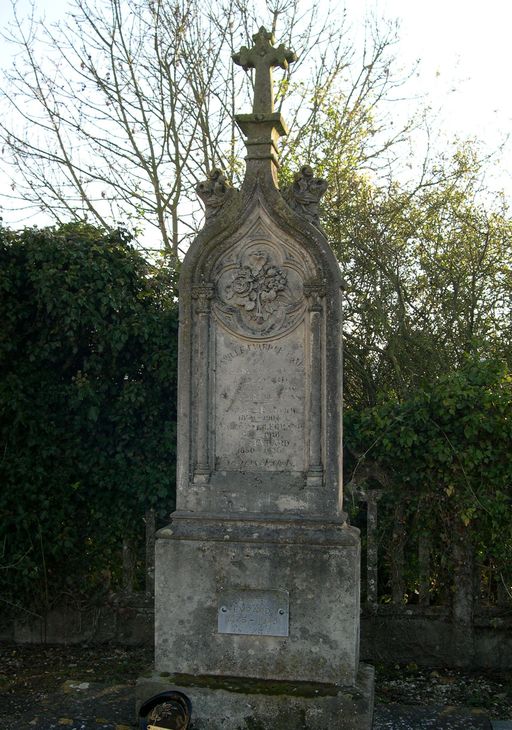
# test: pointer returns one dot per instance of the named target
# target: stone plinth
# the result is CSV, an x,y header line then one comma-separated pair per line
x,y
232,703
315,563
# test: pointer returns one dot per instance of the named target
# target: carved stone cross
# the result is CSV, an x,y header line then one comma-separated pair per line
x,y
263,57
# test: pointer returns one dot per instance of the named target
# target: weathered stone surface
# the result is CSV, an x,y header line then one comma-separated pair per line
x,y
260,361
215,192
305,193
317,564
234,704
263,57
259,478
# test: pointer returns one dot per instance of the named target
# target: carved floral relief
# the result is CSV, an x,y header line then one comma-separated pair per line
x,y
257,286
259,291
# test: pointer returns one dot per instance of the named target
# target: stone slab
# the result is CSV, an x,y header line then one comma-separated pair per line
x,y
227,703
260,404
260,370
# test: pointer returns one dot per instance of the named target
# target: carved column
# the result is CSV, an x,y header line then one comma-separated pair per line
x,y
202,294
314,293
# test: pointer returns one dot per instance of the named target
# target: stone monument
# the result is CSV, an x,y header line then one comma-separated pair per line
x,y
257,574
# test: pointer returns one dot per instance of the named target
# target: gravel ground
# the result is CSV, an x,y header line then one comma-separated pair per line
x,y
76,687
84,688
485,691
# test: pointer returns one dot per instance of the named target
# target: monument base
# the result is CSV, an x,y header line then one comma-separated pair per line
x,y
233,703
271,597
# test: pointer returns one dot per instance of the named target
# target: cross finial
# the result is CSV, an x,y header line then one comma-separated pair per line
x,y
263,57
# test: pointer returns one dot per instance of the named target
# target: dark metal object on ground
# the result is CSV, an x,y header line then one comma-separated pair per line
x,y
166,711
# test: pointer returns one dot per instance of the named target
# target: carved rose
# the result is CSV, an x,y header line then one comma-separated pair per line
x,y
241,284
257,285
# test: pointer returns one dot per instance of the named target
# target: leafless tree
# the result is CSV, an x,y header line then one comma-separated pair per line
x,y
115,113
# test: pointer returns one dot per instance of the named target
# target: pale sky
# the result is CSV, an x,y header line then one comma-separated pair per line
x,y
466,59
465,52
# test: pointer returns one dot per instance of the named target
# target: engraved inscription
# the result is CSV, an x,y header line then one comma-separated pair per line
x,y
257,613
259,403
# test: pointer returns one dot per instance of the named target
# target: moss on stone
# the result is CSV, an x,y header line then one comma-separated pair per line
x,y
247,685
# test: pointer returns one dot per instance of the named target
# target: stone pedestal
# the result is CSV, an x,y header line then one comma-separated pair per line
x,y
308,677
313,565
251,704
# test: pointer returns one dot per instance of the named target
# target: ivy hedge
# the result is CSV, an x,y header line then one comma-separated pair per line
x,y
446,453
87,408
88,359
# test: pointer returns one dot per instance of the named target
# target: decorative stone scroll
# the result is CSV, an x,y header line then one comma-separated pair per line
x,y
259,291
304,194
214,193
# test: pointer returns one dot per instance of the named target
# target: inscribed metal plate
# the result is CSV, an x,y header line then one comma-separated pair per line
x,y
260,613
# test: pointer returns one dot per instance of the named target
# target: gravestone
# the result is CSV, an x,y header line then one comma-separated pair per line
x,y
257,574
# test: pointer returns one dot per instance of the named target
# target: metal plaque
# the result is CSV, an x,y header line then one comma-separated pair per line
x,y
260,613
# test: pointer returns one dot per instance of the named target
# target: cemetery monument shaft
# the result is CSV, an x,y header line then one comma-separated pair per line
x,y
257,574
